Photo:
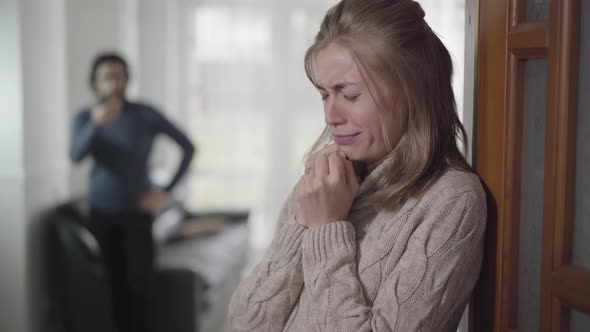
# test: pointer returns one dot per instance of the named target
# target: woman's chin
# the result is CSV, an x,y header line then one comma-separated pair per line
x,y
353,154
361,156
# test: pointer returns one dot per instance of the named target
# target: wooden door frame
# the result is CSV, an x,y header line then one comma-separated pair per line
x,y
563,285
505,41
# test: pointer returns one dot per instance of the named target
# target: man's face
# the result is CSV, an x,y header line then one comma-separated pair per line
x,y
111,80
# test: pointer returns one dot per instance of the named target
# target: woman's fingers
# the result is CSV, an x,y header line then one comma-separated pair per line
x,y
328,149
321,168
322,152
309,171
336,166
330,162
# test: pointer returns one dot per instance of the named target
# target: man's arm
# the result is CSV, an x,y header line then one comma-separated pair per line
x,y
166,127
87,123
83,134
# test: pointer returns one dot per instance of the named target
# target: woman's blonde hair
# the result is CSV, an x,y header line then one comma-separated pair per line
x,y
390,38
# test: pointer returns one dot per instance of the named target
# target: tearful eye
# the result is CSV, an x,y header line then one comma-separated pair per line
x,y
351,98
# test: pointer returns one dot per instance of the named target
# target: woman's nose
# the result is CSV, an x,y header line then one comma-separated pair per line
x,y
333,114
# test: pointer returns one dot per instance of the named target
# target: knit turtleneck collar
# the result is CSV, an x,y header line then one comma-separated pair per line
x,y
368,185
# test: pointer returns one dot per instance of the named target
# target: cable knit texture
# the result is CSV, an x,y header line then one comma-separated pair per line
x,y
408,268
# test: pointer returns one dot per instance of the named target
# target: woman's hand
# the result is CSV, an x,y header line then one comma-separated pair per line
x,y
326,191
326,150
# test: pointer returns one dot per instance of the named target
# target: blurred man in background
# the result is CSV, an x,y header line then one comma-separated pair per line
x,y
118,135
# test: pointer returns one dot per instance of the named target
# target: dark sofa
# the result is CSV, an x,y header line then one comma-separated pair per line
x,y
78,288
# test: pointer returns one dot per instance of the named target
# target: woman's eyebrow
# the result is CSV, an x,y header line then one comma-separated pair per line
x,y
339,86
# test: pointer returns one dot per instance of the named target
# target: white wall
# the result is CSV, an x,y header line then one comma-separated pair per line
x,y
33,174
161,75
471,17
44,103
162,51
45,130
12,229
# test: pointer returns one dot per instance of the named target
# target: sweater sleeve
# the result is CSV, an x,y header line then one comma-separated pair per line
x,y
419,289
166,127
83,135
265,299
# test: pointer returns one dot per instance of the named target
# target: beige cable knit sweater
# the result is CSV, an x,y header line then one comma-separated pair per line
x,y
407,269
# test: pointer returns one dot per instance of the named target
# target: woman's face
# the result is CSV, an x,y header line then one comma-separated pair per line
x,y
351,112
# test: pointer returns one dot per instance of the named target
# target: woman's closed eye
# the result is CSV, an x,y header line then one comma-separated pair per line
x,y
347,97
351,98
